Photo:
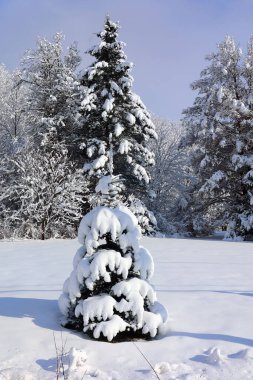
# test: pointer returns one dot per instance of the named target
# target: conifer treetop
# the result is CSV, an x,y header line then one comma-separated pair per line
x,y
113,116
108,40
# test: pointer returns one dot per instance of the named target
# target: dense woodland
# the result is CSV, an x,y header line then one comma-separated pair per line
x,y
63,128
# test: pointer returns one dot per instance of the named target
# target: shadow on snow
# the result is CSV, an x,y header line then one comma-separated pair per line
x,y
218,337
43,312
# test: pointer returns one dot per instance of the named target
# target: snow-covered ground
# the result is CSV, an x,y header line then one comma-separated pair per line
x,y
206,285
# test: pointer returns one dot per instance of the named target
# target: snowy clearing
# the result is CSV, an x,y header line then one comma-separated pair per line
x,y
206,285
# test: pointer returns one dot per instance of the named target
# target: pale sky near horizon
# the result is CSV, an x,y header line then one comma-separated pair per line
x,y
167,40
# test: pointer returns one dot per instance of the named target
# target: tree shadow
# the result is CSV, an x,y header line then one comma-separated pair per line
x,y
30,290
222,337
235,292
43,312
247,294
159,288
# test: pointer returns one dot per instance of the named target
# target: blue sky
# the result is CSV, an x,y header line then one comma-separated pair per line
x,y
167,40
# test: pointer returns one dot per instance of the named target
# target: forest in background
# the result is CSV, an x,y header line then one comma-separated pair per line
x,y
201,177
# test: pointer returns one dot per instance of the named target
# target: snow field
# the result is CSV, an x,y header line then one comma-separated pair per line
x,y
207,287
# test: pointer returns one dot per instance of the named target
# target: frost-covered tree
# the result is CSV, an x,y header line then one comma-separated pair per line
x,y
146,218
240,212
113,119
15,120
15,133
219,130
108,294
41,194
41,191
171,177
51,78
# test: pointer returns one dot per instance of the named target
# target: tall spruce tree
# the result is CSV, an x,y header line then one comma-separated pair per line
x,y
114,119
219,130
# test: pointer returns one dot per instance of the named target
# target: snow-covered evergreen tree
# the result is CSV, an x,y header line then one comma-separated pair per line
x,y
114,119
220,132
241,214
108,293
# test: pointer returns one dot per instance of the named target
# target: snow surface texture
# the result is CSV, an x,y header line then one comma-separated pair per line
x,y
206,285
110,248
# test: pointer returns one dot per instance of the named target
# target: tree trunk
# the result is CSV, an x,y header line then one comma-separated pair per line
x,y
43,230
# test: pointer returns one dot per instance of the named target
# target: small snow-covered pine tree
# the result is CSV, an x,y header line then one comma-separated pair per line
x,y
108,294
113,117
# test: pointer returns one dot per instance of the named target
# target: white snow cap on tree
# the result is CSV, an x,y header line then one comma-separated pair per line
x,y
108,291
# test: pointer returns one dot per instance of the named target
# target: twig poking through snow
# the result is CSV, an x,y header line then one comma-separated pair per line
x,y
60,353
142,354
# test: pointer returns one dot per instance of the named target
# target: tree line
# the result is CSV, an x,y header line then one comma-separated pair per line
x,y
59,129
